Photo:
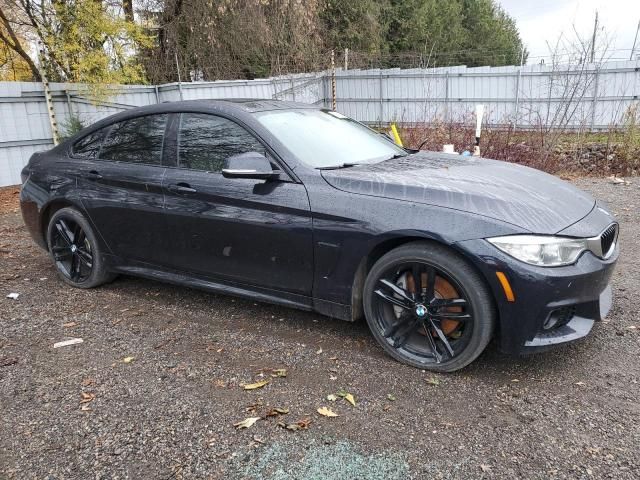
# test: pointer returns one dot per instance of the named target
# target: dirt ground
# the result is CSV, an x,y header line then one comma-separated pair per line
x,y
156,387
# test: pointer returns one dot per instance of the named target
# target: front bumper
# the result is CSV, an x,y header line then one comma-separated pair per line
x,y
552,305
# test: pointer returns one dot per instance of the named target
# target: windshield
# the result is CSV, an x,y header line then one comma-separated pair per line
x,y
323,138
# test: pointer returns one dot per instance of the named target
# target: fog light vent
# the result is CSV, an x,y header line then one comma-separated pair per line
x,y
559,317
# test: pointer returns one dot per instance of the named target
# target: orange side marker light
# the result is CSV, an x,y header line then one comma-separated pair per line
x,y
508,292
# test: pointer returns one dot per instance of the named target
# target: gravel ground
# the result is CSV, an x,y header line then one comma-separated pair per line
x,y
84,411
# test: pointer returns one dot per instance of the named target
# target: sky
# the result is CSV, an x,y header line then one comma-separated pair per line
x,y
544,20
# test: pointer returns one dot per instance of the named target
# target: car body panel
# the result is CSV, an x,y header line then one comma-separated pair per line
x,y
522,196
243,230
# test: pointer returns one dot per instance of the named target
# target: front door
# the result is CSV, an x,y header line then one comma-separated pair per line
x,y
253,232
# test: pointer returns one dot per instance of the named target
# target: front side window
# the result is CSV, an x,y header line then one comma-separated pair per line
x,y
138,140
89,146
322,138
206,141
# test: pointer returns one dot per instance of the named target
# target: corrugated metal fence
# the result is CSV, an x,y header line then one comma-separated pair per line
x,y
587,96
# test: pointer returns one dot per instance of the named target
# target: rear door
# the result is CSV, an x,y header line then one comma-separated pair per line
x,y
121,186
249,231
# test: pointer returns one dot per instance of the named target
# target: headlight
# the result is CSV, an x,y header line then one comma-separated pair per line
x,y
544,251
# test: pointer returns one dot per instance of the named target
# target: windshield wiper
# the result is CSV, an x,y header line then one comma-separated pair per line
x,y
397,155
336,167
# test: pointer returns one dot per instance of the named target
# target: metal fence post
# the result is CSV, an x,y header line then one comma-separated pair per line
x,y
381,99
595,99
334,100
447,112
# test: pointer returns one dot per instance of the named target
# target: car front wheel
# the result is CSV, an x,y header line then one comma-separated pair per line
x,y
75,250
428,308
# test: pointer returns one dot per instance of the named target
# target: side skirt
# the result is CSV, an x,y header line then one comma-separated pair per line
x,y
301,302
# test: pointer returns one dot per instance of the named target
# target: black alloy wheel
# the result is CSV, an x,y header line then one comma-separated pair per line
x,y
428,308
71,250
75,250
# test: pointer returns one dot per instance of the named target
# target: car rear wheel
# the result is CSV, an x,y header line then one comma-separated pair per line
x,y
428,308
75,250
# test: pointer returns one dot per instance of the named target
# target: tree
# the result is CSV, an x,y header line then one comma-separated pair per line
x,y
493,37
13,67
86,41
356,24
13,56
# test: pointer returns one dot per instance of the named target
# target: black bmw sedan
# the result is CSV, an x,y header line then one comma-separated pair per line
x,y
304,207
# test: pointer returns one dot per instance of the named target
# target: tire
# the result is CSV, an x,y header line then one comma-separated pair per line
x,y
67,226
420,291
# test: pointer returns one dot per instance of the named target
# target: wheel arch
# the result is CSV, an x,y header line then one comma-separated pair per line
x,y
49,209
385,245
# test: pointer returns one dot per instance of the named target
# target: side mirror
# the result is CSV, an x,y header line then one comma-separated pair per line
x,y
249,165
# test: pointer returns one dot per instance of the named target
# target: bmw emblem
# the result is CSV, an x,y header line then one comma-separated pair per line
x,y
73,249
421,310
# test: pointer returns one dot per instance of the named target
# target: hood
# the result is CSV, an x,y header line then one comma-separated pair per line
x,y
522,196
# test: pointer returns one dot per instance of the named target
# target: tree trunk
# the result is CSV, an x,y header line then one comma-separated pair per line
x,y
127,6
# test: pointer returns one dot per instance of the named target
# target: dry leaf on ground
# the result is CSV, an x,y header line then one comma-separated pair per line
x,y
246,423
87,397
349,398
327,412
277,411
253,386
299,425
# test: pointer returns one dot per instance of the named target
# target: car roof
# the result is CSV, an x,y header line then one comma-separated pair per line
x,y
238,107
250,105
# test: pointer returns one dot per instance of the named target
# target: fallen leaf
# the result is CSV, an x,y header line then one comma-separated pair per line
x,y
299,425
333,358
391,398
69,324
319,352
433,381
327,412
485,468
258,440
87,397
246,423
349,398
13,296
85,408
253,386
128,359
279,372
332,397
580,384
332,377
274,412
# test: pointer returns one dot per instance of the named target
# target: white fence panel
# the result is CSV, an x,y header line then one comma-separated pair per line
x,y
526,97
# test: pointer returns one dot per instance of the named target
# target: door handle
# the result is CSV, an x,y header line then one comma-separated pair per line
x,y
181,188
93,175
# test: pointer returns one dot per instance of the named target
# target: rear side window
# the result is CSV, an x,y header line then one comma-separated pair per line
x,y
89,146
206,141
138,140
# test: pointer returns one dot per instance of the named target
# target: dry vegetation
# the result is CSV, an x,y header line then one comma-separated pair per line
x,y
615,152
